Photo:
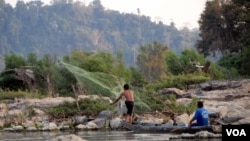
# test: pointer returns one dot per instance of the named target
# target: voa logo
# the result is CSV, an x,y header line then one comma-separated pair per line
x,y
236,132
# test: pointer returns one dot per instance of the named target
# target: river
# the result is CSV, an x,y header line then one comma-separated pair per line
x,y
91,136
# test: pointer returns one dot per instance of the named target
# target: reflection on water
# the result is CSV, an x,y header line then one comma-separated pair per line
x,y
90,136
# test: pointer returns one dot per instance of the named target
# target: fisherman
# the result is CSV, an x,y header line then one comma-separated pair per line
x,y
201,116
129,96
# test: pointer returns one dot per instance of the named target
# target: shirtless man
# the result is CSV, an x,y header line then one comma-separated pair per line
x,y
129,96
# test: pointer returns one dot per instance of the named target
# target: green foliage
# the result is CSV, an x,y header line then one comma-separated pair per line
x,y
44,69
12,95
160,102
63,82
31,111
178,108
96,82
174,65
228,67
102,62
13,61
244,61
66,109
229,61
151,61
179,81
154,101
185,63
138,79
225,30
88,107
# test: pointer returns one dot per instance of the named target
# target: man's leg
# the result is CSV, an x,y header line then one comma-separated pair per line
x,y
130,119
127,118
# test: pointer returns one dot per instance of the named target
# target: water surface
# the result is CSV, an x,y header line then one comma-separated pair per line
x,y
91,136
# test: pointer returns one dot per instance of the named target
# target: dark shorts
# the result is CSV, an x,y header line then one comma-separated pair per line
x,y
130,106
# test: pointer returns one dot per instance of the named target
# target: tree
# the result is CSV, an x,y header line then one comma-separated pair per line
x,y
222,25
211,26
186,63
151,60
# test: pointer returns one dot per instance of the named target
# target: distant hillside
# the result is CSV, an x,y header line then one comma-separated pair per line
x,y
64,26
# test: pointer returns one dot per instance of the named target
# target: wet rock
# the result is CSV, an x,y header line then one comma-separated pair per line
x,y
80,119
18,128
48,126
115,123
107,114
177,92
101,122
70,137
91,125
81,126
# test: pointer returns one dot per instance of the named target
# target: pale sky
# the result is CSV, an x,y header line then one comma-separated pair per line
x,y
181,12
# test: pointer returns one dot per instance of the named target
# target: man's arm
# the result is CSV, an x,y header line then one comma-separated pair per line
x,y
191,121
193,118
117,99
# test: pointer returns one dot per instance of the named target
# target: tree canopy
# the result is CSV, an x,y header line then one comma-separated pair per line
x,y
65,26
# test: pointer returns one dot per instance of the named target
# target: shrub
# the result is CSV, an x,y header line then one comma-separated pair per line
x,y
12,95
88,107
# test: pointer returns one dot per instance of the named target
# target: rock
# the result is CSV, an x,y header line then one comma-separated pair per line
x,y
31,128
70,137
1,123
101,122
80,119
81,126
107,114
63,126
228,90
49,126
8,129
184,118
15,112
91,125
242,121
177,92
38,112
48,102
94,97
17,128
115,123
3,110
28,124
223,111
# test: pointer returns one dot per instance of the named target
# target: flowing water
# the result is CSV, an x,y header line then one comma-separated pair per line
x,y
91,136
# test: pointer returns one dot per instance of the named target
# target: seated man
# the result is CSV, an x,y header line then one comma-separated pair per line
x,y
201,116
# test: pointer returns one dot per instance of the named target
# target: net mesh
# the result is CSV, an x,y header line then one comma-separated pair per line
x,y
96,82
103,84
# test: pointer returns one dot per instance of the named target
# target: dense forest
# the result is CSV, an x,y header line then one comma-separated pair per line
x,y
64,26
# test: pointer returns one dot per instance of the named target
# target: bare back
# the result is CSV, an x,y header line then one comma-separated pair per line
x,y
129,95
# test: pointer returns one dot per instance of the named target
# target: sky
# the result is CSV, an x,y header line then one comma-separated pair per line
x,y
181,12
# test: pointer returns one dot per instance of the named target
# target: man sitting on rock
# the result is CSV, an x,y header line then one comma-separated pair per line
x,y
201,116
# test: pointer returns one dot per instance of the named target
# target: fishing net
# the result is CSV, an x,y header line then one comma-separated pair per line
x,y
104,84
96,82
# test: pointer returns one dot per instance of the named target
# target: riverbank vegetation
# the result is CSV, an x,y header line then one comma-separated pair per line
x,y
86,73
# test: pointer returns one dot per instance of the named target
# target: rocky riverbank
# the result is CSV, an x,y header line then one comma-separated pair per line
x,y
227,102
